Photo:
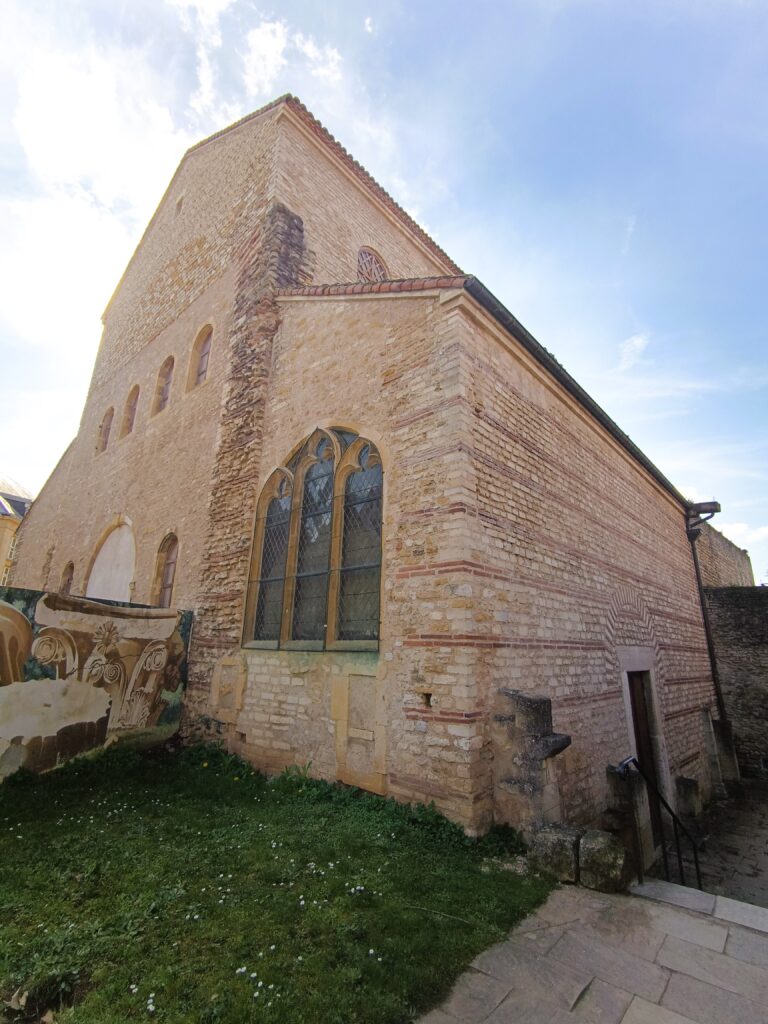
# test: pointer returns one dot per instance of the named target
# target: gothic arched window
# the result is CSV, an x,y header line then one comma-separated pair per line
x,y
370,266
316,566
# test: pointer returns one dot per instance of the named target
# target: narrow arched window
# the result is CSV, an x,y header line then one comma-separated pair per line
x,y
360,568
201,353
314,547
104,429
370,266
166,570
316,566
129,413
163,389
274,543
67,576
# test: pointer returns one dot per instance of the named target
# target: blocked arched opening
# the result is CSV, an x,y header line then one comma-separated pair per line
x,y
113,567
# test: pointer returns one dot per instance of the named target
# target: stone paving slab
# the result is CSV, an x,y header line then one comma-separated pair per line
x,y
708,1004
746,945
587,958
676,895
716,968
583,952
526,970
741,913
642,1012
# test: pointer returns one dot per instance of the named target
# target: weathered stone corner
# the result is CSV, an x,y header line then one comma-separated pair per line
x,y
602,862
554,850
526,790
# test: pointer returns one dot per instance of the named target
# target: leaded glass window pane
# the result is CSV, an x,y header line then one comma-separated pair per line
x,y
272,579
361,554
309,604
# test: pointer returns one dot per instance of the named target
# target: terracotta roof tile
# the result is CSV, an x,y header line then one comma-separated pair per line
x,y
356,168
412,284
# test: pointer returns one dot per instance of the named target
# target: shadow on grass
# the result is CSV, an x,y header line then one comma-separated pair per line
x,y
180,885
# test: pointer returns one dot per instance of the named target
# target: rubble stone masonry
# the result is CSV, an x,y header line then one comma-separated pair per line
x,y
739,621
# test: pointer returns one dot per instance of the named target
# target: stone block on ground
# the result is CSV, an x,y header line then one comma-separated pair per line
x,y
602,862
554,850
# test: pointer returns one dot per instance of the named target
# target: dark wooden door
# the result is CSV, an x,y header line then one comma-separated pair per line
x,y
641,720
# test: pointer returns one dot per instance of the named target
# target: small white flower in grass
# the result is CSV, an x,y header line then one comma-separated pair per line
x,y
241,970
371,952
272,946
254,974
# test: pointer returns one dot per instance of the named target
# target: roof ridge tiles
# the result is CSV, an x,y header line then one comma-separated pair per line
x,y
319,129
402,284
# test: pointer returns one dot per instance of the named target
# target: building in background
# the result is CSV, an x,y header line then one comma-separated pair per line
x,y
14,505
421,558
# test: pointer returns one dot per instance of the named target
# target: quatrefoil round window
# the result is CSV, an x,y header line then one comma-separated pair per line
x,y
370,266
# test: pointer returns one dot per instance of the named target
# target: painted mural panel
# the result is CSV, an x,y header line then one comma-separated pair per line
x,y
76,674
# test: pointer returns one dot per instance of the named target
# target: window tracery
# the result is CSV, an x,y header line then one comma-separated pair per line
x,y
316,566
370,266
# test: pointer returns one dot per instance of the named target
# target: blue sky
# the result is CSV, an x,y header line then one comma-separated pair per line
x,y
600,165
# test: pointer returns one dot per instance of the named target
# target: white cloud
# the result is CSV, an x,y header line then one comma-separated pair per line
x,y
629,233
323,61
208,14
95,120
631,351
265,57
368,25
743,534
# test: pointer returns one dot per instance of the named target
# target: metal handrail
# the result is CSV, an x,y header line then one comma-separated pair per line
x,y
677,827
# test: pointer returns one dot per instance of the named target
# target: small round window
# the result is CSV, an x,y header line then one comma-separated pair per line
x,y
370,266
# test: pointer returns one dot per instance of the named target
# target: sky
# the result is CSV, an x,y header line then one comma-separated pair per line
x,y
600,165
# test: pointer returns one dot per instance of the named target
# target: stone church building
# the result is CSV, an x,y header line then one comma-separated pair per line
x,y
421,559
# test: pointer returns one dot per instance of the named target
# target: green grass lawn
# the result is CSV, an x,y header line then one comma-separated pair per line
x,y
181,886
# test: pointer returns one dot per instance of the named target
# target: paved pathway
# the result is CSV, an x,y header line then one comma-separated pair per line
x,y
735,858
665,956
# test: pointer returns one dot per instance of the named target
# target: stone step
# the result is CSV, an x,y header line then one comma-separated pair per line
x,y
722,908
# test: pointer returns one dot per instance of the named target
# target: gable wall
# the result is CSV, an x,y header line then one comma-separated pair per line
x,y
339,216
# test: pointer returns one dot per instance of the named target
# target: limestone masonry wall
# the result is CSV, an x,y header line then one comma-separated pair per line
x,y
579,565
739,621
722,563
340,216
